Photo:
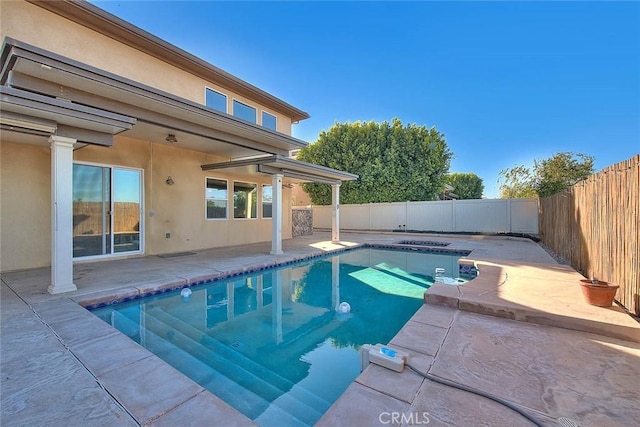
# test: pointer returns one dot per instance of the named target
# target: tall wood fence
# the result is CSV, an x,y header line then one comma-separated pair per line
x,y
87,217
595,226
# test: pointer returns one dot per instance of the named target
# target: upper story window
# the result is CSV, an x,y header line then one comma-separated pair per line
x,y
216,195
268,120
244,111
216,100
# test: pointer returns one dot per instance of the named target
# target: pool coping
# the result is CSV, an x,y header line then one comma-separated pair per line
x,y
100,299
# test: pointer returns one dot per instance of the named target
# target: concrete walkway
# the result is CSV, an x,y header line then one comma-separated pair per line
x,y
520,331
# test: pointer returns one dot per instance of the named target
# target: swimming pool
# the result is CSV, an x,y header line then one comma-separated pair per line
x,y
275,344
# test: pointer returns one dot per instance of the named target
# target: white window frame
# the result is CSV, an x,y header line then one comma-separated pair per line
x,y
233,110
142,213
262,201
226,99
275,118
206,199
234,202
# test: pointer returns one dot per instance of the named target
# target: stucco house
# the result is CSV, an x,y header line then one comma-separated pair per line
x,y
115,143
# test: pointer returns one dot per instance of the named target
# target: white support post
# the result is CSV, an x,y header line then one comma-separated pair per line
x,y
61,215
335,213
276,215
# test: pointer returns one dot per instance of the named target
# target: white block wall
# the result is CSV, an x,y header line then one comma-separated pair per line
x,y
483,215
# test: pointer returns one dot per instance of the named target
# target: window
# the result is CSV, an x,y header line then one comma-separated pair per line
x,y
107,210
268,120
267,199
216,100
216,194
245,203
244,111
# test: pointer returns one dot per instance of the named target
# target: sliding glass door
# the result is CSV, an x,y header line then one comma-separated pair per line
x,y
126,210
106,210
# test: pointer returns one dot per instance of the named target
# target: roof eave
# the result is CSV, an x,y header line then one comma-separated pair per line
x,y
99,20
14,51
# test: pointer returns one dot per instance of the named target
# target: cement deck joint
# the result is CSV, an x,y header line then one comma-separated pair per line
x,y
104,280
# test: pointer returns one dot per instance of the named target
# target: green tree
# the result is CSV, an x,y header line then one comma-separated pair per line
x,y
466,185
395,162
548,177
561,171
517,182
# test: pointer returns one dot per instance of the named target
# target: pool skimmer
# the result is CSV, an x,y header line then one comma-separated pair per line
x,y
384,356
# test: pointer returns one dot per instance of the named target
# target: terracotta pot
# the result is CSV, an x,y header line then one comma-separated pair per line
x,y
601,295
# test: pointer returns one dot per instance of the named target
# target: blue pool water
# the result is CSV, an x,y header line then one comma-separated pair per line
x,y
272,344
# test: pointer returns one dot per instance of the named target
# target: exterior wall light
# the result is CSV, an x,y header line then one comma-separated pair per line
x,y
170,181
171,138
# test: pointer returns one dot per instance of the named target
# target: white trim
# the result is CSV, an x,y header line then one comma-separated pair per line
x,y
272,115
142,214
262,201
246,105
233,217
226,97
206,217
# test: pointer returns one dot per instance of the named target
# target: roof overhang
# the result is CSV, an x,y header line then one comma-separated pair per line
x,y
288,167
61,81
91,16
31,113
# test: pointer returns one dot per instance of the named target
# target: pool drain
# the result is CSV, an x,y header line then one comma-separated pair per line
x,y
567,422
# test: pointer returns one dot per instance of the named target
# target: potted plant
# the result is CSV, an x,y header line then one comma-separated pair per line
x,y
598,292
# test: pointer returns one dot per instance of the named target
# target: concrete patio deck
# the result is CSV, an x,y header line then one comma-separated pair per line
x,y
520,331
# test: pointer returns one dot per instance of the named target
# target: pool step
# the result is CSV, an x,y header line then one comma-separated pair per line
x,y
248,380
230,391
302,412
263,372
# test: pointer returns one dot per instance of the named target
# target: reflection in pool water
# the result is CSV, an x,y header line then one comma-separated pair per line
x,y
279,345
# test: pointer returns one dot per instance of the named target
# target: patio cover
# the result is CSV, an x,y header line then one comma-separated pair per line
x,y
52,100
288,167
280,167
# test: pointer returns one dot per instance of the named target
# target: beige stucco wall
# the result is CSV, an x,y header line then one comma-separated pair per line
x,y
25,206
25,178
179,209
299,197
39,27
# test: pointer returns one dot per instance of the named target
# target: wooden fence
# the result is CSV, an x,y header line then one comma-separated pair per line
x,y
87,217
594,225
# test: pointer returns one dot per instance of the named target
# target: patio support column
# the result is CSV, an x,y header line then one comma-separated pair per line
x,y
335,213
61,215
276,214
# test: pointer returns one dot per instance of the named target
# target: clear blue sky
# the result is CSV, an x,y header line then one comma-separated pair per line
x,y
506,82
